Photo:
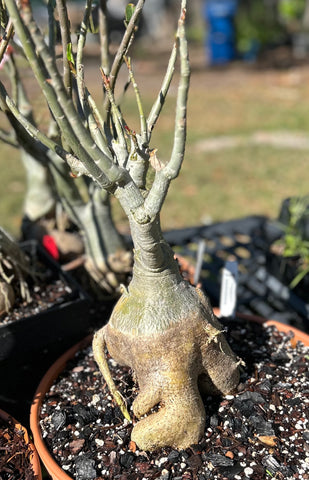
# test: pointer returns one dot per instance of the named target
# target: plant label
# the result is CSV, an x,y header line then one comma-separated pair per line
x,y
228,293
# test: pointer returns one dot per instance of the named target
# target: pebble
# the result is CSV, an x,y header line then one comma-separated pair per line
x,y
96,399
85,468
173,456
99,442
164,474
58,419
161,461
248,471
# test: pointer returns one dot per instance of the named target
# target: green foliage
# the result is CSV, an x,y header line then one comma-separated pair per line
x,y
257,23
291,10
70,56
129,12
295,245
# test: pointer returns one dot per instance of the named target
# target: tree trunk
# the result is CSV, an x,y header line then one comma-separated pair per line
x,y
108,259
165,330
40,199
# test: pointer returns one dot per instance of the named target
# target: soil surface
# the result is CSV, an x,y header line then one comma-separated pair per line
x,y
45,284
14,454
259,432
43,296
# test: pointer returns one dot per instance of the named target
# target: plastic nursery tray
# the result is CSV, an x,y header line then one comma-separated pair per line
x,y
247,240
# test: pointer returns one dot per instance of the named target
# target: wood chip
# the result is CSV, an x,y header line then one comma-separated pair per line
x,y
270,441
132,446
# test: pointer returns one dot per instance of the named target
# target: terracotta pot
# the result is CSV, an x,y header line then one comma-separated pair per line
x,y
187,269
34,458
52,467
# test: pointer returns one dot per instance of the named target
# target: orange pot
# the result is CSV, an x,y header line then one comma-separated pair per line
x,y
34,458
52,467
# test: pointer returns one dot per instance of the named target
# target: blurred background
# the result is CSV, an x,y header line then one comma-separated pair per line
x,y
248,118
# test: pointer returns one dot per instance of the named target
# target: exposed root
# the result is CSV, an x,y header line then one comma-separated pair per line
x,y
98,346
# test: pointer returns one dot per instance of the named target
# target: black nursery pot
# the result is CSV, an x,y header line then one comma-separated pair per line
x,y
54,327
30,344
285,269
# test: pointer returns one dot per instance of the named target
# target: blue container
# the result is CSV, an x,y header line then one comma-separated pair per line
x,y
220,43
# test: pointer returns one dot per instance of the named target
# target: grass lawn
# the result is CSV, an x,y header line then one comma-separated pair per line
x,y
221,184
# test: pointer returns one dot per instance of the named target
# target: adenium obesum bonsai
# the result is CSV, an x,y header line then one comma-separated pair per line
x,y
162,327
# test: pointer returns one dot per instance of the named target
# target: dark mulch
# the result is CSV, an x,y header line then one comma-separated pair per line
x,y
260,432
14,453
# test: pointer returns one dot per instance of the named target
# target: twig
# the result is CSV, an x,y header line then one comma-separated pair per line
x,y
66,43
117,122
144,130
103,33
164,176
6,37
160,100
123,48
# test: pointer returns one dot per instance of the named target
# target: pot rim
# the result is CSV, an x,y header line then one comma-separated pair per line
x,y
34,457
53,372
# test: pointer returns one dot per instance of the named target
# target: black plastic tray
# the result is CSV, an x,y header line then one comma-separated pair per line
x,y
247,240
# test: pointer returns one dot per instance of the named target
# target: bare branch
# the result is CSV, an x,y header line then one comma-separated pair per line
x,y
158,104
123,48
66,42
174,165
93,117
79,54
158,191
51,26
119,143
103,32
61,105
144,132
6,37
34,132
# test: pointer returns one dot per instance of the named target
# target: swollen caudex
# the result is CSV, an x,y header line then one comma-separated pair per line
x,y
171,366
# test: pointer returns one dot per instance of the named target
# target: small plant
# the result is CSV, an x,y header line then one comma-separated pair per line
x,y
293,243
